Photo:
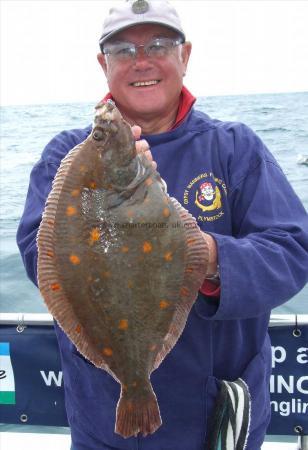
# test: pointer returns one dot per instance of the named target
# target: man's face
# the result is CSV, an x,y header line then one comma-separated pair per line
x,y
166,72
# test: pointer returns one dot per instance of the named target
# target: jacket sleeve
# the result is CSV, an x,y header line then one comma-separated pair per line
x,y
265,261
40,185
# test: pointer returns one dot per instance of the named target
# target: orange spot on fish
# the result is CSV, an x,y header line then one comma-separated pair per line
x,y
184,291
50,222
163,304
75,192
190,241
93,185
55,287
168,256
50,253
189,270
74,259
166,212
78,328
129,405
106,274
94,235
107,351
82,169
147,247
130,284
152,347
148,181
124,249
130,213
71,211
123,324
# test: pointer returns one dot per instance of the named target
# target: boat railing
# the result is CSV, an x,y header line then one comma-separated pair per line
x,y
277,320
30,371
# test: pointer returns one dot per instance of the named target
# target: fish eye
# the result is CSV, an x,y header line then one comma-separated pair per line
x,y
97,135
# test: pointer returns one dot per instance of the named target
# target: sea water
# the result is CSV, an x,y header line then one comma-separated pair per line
x,y
281,120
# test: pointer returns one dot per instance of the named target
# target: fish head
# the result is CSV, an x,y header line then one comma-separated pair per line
x,y
112,135
114,143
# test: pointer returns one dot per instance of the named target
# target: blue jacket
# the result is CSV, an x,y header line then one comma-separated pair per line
x,y
225,176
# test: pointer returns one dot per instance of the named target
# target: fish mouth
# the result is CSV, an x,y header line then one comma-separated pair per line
x,y
145,83
106,112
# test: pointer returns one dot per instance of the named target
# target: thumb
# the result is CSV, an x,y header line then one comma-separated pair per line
x,y
136,130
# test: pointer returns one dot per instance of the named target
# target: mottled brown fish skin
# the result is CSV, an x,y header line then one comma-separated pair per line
x,y
120,263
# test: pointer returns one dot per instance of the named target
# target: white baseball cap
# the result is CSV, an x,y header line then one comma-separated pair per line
x,y
135,12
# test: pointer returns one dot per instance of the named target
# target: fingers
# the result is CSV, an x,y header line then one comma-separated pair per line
x,y
149,156
213,256
142,146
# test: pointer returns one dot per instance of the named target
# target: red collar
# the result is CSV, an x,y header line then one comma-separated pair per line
x,y
186,102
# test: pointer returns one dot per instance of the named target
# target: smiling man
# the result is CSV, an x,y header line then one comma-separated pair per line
x,y
144,66
212,388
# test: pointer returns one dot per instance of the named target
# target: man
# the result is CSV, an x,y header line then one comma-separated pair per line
x,y
254,224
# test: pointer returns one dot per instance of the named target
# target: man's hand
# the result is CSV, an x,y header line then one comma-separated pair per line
x,y
142,146
212,264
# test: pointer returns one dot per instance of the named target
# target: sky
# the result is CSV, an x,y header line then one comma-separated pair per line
x,y
49,48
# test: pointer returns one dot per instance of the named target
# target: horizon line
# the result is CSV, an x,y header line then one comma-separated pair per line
x,y
74,102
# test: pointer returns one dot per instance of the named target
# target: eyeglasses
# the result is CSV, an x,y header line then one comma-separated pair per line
x,y
156,48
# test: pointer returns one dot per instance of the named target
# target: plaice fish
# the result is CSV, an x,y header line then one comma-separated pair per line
x,y
119,263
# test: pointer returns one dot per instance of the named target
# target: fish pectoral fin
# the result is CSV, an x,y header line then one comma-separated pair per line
x,y
137,413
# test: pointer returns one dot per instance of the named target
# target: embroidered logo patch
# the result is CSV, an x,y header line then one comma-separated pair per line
x,y
205,192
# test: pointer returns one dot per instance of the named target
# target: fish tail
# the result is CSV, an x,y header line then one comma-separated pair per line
x,y
137,414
